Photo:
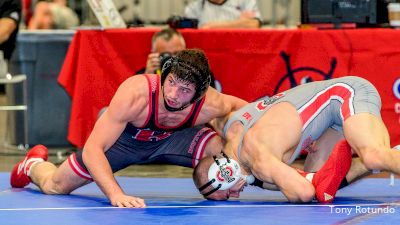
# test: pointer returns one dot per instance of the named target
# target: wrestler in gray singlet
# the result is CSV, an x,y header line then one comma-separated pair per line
x,y
321,105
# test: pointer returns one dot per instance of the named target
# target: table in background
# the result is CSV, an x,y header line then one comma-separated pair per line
x,y
40,55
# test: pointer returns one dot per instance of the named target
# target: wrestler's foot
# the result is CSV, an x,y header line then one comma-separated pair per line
x,y
19,175
328,179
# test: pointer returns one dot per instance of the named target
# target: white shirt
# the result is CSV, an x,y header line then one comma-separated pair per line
x,y
206,11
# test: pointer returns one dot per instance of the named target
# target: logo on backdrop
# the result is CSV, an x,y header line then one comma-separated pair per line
x,y
301,75
396,88
396,92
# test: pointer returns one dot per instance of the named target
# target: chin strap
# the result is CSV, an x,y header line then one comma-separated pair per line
x,y
171,109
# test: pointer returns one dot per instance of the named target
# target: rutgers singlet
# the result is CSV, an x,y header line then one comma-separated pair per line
x,y
152,130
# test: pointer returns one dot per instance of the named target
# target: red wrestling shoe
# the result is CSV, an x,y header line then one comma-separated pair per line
x,y
328,179
19,175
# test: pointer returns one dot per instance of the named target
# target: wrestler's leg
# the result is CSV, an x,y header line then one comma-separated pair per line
x,y
186,147
53,180
369,138
214,146
321,150
50,179
357,171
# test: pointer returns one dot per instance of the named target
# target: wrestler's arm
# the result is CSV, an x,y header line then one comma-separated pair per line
x,y
265,185
125,104
218,124
220,106
294,186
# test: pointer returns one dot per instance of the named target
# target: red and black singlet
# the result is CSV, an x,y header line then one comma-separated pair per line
x,y
152,130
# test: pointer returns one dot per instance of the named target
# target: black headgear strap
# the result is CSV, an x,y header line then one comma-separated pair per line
x,y
213,180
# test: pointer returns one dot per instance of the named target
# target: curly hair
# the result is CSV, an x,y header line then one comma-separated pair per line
x,y
189,66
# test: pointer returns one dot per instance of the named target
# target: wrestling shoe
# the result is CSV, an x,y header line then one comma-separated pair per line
x,y
328,179
19,176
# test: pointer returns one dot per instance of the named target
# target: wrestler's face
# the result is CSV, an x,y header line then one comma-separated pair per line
x,y
233,192
178,93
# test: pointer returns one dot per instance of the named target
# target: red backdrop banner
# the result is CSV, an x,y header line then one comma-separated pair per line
x,y
247,63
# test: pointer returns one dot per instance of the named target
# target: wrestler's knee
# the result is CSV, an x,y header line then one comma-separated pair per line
x,y
305,194
302,198
55,186
64,181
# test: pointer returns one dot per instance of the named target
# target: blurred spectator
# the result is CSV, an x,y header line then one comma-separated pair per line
x,y
165,42
224,13
10,16
53,15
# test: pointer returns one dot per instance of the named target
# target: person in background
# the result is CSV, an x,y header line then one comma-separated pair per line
x,y
224,13
53,15
164,44
10,16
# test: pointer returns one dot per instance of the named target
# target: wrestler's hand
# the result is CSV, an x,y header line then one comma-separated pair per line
x,y
126,201
153,63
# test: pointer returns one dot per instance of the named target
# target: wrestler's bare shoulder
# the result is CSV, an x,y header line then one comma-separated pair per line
x,y
132,97
219,103
213,105
137,85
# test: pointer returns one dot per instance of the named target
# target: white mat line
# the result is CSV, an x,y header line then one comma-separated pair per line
x,y
203,206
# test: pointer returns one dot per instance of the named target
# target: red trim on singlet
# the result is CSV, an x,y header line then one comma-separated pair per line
x,y
199,143
77,172
339,91
149,81
198,111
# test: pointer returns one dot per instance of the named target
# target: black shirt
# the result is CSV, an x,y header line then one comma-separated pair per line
x,y
10,9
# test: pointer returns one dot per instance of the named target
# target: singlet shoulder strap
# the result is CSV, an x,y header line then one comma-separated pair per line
x,y
196,111
153,95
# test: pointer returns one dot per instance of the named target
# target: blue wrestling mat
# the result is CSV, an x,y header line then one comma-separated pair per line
x,y
176,201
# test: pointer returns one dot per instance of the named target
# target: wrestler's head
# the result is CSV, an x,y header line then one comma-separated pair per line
x,y
219,178
185,79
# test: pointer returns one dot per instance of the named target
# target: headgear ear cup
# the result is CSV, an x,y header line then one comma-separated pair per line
x,y
223,174
226,174
166,69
